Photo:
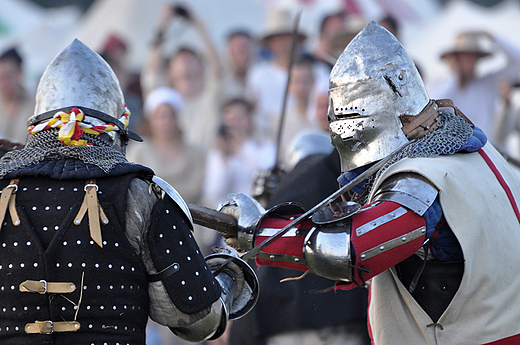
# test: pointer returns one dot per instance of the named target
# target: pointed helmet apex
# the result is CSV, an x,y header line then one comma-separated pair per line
x,y
79,77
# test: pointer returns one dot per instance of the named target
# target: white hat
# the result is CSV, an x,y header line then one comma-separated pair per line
x,y
163,95
279,22
468,42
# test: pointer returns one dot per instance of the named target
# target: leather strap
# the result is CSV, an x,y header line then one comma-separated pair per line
x,y
7,199
12,208
448,103
95,212
165,273
43,287
416,127
49,327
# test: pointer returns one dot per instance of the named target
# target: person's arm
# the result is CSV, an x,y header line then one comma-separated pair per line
x,y
153,65
184,294
394,226
506,119
213,57
511,69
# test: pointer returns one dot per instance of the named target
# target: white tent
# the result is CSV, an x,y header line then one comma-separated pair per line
x,y
38,33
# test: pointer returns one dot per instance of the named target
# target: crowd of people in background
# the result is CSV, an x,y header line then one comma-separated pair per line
x,y
211,121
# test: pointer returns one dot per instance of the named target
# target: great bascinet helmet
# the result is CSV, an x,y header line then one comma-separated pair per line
x,y
373,83
80,81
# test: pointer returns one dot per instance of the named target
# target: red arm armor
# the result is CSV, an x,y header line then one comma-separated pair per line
x,y
382,234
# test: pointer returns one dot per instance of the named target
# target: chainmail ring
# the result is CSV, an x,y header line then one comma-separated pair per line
x,y
448,138
46,146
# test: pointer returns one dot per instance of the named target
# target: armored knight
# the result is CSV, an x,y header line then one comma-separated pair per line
x,y
92,244
435,230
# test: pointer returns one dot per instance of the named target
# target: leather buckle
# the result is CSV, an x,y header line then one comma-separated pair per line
x,y
49,327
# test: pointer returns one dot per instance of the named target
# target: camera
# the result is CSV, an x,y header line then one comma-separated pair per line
x,y
181,11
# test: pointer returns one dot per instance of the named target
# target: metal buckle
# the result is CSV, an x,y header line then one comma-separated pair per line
x,y
44,282
48,328
91,185
15,186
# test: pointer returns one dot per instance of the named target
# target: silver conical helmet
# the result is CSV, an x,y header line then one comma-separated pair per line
x,y
371,85
79,77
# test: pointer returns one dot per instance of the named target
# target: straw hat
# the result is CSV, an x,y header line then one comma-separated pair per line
x,y
468,43
279,22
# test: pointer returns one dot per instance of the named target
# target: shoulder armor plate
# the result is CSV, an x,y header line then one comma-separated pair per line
x,y
408,189
174,195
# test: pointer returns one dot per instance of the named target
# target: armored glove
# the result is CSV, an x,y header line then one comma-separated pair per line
x,y
248,212
237,279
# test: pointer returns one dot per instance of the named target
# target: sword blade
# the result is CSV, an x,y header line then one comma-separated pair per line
x,y
369,172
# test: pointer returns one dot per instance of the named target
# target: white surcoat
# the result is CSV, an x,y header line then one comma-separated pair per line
x,y
486,307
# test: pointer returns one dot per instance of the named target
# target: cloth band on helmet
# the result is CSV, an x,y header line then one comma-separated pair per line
x,y
71,127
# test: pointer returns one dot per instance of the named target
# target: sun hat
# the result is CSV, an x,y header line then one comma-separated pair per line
x,y
468,43
279,22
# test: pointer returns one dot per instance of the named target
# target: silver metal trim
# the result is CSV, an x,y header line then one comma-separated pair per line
x,y
408,189
373,224
293,232
393,243
174,195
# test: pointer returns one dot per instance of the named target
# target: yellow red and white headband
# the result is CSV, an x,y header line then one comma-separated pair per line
x,y
71,126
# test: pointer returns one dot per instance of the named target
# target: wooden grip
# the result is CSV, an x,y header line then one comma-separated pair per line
x,y
224,223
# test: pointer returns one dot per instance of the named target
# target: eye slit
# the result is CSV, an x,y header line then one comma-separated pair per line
x,y
347,116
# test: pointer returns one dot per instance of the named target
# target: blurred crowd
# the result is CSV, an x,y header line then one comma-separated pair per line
x,y
212,123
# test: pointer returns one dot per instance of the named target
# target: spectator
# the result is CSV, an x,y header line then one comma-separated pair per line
x,y
302,98
267,80
237,155
477,96
165,150
331,25
115,54
16,104
186,71
315,140
239,57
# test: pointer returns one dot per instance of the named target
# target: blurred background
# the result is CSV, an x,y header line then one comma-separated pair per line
x,y
207,83
41,28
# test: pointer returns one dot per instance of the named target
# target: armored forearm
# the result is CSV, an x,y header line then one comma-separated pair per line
x,y
382,234
354,250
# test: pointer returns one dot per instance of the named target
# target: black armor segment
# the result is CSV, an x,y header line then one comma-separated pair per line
x,y
436,286
191,285
110,301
